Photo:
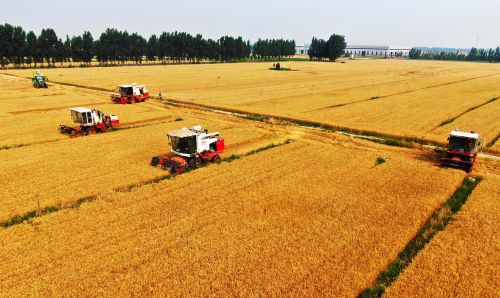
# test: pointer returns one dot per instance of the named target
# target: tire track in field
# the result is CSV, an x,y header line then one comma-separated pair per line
x,y
31,96
54,109
403,92
42,211
450,120
131,125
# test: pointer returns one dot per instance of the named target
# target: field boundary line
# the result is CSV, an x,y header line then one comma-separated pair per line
x,y
374,136
388,139
493,141
42,211
403,92
132,125
437,222
452,119
52,109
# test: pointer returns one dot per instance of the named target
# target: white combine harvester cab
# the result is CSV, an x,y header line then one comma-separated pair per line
x,y
191,147
86,116
89,121
189,142
132,89
131,94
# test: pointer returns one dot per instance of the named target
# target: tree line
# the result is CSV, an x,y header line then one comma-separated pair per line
x,y
331,49
273,48
490,55
113,46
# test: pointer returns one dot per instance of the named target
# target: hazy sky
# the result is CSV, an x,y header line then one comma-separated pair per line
x,y
451,23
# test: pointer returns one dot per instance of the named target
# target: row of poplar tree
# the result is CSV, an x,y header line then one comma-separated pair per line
x,y
19,47
490,55
330,49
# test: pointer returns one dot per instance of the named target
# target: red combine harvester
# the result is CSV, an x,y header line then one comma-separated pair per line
x,y
131,94
91,121
190,148
462,150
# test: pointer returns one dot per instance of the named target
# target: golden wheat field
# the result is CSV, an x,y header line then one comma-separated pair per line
x,y
408,98
464,258
258,226
290,210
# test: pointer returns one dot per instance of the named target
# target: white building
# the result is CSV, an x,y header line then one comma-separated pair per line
x,y
377,51
302,50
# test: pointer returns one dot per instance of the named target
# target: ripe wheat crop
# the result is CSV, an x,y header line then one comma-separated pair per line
x,y
60,170
314,217
463,259
407,98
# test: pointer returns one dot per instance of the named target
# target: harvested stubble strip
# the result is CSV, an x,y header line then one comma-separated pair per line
x,y
254,226
437,222
461,261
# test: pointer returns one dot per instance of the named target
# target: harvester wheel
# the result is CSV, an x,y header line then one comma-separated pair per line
x,y
173,169
192,163
164,167
198,161
216,159
154,161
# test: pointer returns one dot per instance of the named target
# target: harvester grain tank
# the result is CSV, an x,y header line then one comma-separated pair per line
x,y
189,149
89,121
130,94
462,150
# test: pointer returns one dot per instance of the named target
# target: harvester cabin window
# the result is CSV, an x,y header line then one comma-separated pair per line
x,y
461,144
184,145
127,91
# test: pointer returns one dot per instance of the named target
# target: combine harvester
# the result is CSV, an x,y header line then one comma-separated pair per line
x,y
131,94
462,150
90,121
189,149
39,80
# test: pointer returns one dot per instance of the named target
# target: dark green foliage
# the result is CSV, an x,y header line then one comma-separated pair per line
x,y
331,49
490,55
273,48
116,47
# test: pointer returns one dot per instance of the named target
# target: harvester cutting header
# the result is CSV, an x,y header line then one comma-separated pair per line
x,y
189,149
130,94
90,121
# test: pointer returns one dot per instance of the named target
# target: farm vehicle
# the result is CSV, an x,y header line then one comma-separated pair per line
x,y
90,121
190,148
130,94
462,150
39,80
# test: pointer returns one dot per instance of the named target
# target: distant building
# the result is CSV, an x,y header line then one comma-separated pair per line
x,y
377,51
302,50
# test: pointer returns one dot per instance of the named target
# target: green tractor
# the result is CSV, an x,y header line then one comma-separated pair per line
x,y
39,80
